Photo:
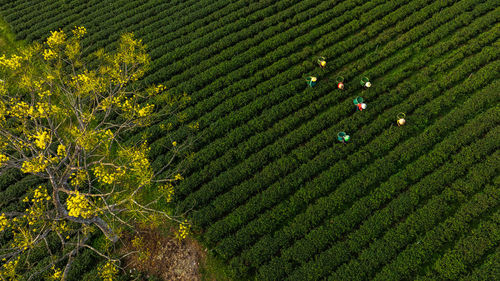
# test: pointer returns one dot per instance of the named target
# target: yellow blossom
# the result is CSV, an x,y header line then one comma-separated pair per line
x,y
108,271
13,63
61,150
41,139
4,222
79,31
3,158
168,190
78,205
56,38
174,143
49,54
184,230
57,274
35,165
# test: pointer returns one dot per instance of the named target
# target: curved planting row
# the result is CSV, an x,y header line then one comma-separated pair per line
x,y
489,268
469,249
265,222
136,21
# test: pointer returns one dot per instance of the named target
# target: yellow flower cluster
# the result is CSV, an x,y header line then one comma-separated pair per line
x,y
145,110
56,38
57,275
103,175
129,107
35,211
168,190
23,239
108,271
8,270
4,222
178,177
21,109
194,126
39,195
42,110
44,94
78,205
153,90
3,158
184,230
79,31
41,139
13,63
61,150
49,54
87,82
36,164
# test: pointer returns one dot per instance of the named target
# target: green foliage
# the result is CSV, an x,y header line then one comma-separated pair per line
x,y
269,188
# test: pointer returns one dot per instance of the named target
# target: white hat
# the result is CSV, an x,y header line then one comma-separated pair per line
x,y
368,84
363,105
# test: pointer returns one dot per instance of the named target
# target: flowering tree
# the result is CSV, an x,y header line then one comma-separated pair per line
x,y
63,121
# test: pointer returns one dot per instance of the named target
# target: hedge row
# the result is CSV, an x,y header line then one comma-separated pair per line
x,y
300,155
488,270
9,177
216,55
278,215
15,191
231,30
186,10
40,25
408,261
164,28
468,249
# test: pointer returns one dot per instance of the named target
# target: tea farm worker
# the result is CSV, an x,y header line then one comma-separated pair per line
x,y
358,102
322,62
365,82
311,81
401,119
343,137
340,82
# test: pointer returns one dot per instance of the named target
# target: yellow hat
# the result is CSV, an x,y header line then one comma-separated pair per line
x,y
401,121
323,63
313,79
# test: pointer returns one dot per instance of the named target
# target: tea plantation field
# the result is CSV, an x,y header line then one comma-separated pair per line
x,y
272,191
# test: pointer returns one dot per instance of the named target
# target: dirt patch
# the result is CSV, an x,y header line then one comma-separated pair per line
x,y
163,256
